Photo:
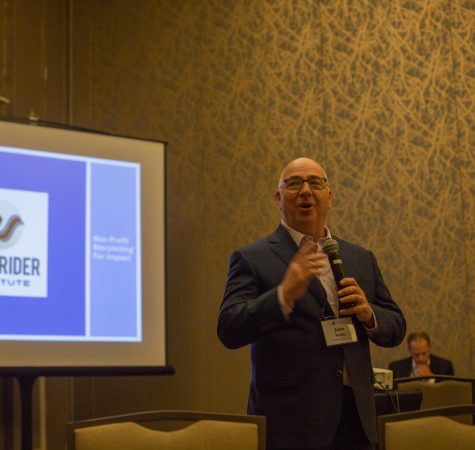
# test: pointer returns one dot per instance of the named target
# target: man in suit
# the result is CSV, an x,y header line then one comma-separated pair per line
x,y
422,361
311,368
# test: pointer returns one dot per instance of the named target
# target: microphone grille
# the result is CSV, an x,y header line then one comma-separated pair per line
x,y
330,246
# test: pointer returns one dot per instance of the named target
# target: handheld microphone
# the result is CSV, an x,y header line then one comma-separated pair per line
x,y
332,249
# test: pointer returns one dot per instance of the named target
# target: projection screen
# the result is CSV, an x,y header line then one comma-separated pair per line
x,y
82,248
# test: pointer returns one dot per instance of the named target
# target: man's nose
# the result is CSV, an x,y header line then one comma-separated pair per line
x,y
305,189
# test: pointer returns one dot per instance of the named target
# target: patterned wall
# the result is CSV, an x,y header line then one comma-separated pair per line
x,y
395,75
382,93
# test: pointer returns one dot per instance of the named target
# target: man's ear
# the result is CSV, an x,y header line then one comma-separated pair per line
x,y
330,197
277,199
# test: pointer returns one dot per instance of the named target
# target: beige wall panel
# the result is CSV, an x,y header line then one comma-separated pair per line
x,y
6,54
33,56
55,65
28,83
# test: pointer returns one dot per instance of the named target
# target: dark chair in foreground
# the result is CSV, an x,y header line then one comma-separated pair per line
x,y
431,429
169,430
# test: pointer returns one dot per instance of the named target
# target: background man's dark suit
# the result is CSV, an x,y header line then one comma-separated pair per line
x,y
438,366
296,379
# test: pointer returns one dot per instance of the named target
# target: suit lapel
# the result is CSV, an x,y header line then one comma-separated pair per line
x,y
282,244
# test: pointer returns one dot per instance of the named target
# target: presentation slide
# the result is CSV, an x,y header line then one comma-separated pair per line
x,y
82,249
70,251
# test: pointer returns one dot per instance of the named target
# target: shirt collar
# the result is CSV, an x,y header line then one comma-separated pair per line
x,y
297,236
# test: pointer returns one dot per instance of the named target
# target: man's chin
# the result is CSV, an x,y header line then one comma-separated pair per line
x,y
307,217
304,224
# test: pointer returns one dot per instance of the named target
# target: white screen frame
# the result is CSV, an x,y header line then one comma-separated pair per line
x,y
151,155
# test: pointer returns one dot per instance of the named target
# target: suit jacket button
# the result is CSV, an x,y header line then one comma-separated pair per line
x,y
339,373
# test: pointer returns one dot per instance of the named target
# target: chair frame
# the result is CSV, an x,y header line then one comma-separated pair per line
x,y
438,379
446,411
172,419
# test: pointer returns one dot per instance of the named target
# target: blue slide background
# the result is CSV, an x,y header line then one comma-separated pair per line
x,y
62,312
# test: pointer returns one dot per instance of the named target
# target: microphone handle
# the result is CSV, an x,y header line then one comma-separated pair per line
x,y
336,264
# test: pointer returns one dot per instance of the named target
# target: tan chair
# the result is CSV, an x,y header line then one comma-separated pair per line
x,y
431,429
445,391
169,430
400,383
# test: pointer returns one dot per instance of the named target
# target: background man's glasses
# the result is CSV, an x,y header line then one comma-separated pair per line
x,y
294,184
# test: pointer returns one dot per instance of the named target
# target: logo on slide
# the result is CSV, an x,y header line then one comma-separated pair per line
x,y
11,228
23,243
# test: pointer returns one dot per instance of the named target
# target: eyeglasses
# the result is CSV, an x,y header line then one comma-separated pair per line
x,y
294,184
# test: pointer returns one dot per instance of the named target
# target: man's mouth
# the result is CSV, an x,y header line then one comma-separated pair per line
x,y
305,206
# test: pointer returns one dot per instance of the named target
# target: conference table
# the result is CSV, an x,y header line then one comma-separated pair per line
x,y
390,402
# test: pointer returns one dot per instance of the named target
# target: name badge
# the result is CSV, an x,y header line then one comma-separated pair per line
x,y
339,331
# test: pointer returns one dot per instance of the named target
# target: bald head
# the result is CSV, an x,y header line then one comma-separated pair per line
x,y
304,208
300,162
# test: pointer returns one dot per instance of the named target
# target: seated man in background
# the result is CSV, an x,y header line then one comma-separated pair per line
x,y
421,362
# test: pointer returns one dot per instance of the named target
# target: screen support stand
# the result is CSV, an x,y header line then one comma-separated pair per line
x,y
26,395
27,376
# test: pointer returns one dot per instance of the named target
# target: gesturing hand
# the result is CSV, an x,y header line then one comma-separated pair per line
x,y
304,266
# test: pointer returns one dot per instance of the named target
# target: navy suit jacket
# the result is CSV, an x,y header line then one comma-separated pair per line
x,y
297,380
438,366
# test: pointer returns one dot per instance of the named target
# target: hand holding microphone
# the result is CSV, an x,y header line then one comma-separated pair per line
x,y
352,298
